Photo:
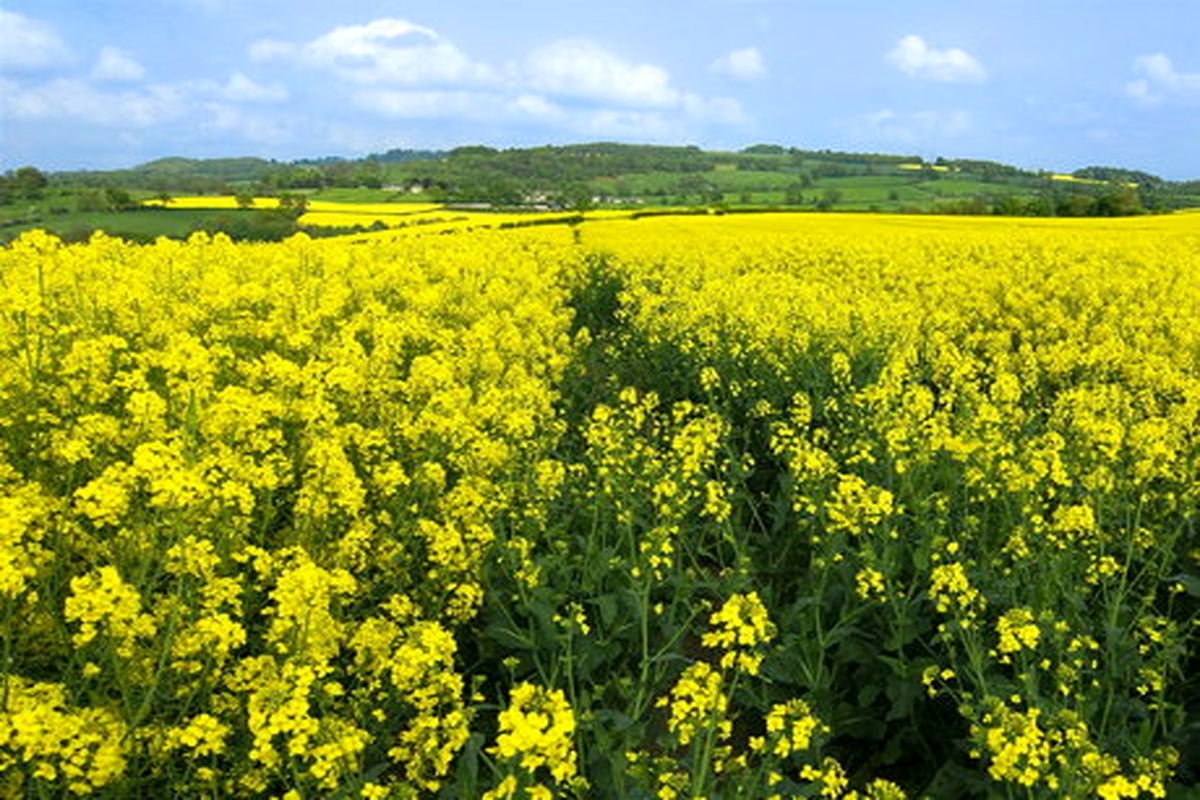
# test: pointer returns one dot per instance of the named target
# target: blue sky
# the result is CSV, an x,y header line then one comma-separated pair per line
x,y
1055,84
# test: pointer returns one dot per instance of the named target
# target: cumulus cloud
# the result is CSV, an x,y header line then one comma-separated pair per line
x,y
646,125
239,88
393,51
249,125
430,104
142,106
1159,80
391,68
917,59
745,63
66,98
116,65
580,68
29,44
399,69
538,107
914,127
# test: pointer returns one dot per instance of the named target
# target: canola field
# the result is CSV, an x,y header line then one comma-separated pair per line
x,y
399,218
759,506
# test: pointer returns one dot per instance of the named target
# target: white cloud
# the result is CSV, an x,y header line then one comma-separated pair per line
x,y
398,69
580,68
915,58
137,107
1160,81
29,44
745,63
79,100
526,108
250,126
430,104
482,106
116,65
239,88
915,127
385,51
538,107
644,125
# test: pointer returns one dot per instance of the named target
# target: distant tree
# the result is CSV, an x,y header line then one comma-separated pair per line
x,y
28,182
1120,201
436,192
577,197
268,225
695,185
120,200
91,200
713,196
1075,205
292,204
1040,205
829,198
244,199
473,150
1119,175
764,150
1012,206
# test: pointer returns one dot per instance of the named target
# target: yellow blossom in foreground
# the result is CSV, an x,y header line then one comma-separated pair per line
x,y
697,702
77,749
537,730
791,727
1017,630
102,603
740,626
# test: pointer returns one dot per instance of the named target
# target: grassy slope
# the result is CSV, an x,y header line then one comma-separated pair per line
x,y
168,222
361,195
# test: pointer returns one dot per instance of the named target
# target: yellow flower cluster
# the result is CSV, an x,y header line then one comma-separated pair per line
x,y
791,727
869,584
101,602
23,514
1018,630
856,506
697,703
740,628
56,744
951,590
537,731
1030,750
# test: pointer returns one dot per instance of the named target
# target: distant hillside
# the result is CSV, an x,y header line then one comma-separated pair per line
x,y
610,173
174,174
232,169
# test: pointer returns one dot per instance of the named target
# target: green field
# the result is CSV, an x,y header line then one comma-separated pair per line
x,y
362,195
175,223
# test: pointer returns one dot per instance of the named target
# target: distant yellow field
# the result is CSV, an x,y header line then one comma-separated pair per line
x,y
319,212
1091,181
